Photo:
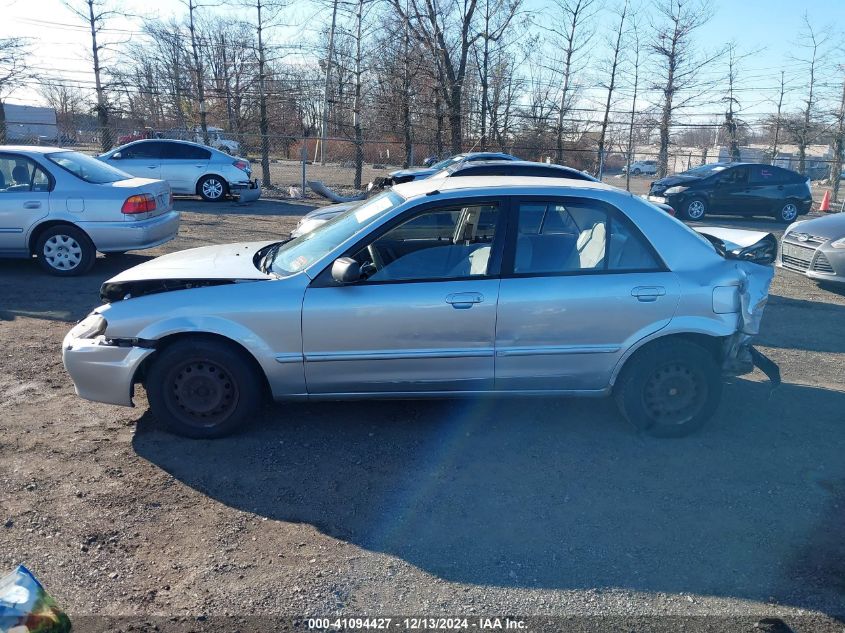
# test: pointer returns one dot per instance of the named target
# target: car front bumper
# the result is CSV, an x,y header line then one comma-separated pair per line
x,y
102,371
246,191
132,236
817,262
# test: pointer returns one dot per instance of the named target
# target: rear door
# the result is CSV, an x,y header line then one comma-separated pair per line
x,y
141,159
183,165
24,199
580,284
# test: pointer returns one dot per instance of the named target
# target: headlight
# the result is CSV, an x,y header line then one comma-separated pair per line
x,y
673,190
90,327
840,243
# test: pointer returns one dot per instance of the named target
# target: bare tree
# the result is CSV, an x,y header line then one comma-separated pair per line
x,y
615,55
96,13
68,102
678,64
838,145
448,33
635,33
813,43
198,69
731,124
573,29
497,17
13,54
777,121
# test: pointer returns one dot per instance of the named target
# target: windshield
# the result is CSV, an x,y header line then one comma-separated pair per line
x,y
87,168
304,250
704,170
446,162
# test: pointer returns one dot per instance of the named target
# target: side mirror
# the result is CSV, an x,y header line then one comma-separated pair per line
x,y
116,156
346,270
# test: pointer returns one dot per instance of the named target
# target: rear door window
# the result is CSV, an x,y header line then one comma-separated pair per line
x,y
767,175
183,151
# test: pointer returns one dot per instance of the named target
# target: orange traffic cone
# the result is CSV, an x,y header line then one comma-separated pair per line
x,y
825,202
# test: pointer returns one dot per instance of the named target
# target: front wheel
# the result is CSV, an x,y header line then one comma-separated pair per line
x,y
212,188
65,250
636,171
694,209
787,213
202,388
669,389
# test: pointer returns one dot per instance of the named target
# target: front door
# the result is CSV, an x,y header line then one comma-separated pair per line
x,y
423,318
580,284
141,159
734,193
24,199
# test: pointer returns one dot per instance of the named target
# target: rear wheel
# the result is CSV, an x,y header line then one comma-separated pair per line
x,y
787,213
65,250
202,388
212,188
669,389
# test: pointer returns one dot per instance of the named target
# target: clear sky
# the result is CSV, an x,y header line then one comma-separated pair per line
x,y
770,27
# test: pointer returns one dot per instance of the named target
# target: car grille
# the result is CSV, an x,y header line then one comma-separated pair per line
x,y
812,240
822,265
803,258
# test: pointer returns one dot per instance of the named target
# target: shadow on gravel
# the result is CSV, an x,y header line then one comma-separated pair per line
x,y
553,493
786,326
26,290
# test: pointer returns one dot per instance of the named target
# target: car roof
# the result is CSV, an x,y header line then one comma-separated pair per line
x,y
564,169
167,140
33,149
428,186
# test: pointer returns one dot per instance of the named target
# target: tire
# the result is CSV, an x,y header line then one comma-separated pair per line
x,y
212,188
787,213
694,209
636,171
65,250
203,388
669,389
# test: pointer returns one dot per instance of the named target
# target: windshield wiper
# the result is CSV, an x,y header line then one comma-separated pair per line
x,y
267,260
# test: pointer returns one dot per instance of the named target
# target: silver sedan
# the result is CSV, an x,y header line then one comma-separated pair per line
x,y
63,207
816,248
454,287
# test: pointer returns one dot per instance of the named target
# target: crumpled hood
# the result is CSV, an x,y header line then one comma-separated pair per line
x,y
830,227
195,267
671,181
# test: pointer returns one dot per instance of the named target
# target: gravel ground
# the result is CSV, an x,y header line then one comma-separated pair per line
x,y
530,507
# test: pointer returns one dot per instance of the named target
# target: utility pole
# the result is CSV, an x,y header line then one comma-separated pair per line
x,y
324,130
200,87
102,105
262,102
633,107
777,122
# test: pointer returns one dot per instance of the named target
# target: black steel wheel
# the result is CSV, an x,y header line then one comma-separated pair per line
x,y
669,389
203,388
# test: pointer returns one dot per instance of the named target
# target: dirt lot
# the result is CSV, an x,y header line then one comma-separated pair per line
x,y
537,507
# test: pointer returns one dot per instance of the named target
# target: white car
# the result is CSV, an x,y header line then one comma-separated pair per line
x,y
63,207
189,168
641,167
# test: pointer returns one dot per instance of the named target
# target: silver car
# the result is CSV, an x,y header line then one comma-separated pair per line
x,y
63,207
190,168
816,248
439,288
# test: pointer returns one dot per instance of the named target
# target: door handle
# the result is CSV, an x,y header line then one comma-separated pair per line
x,y
152,166
464,300
780,187
32,204
648,294
200,166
